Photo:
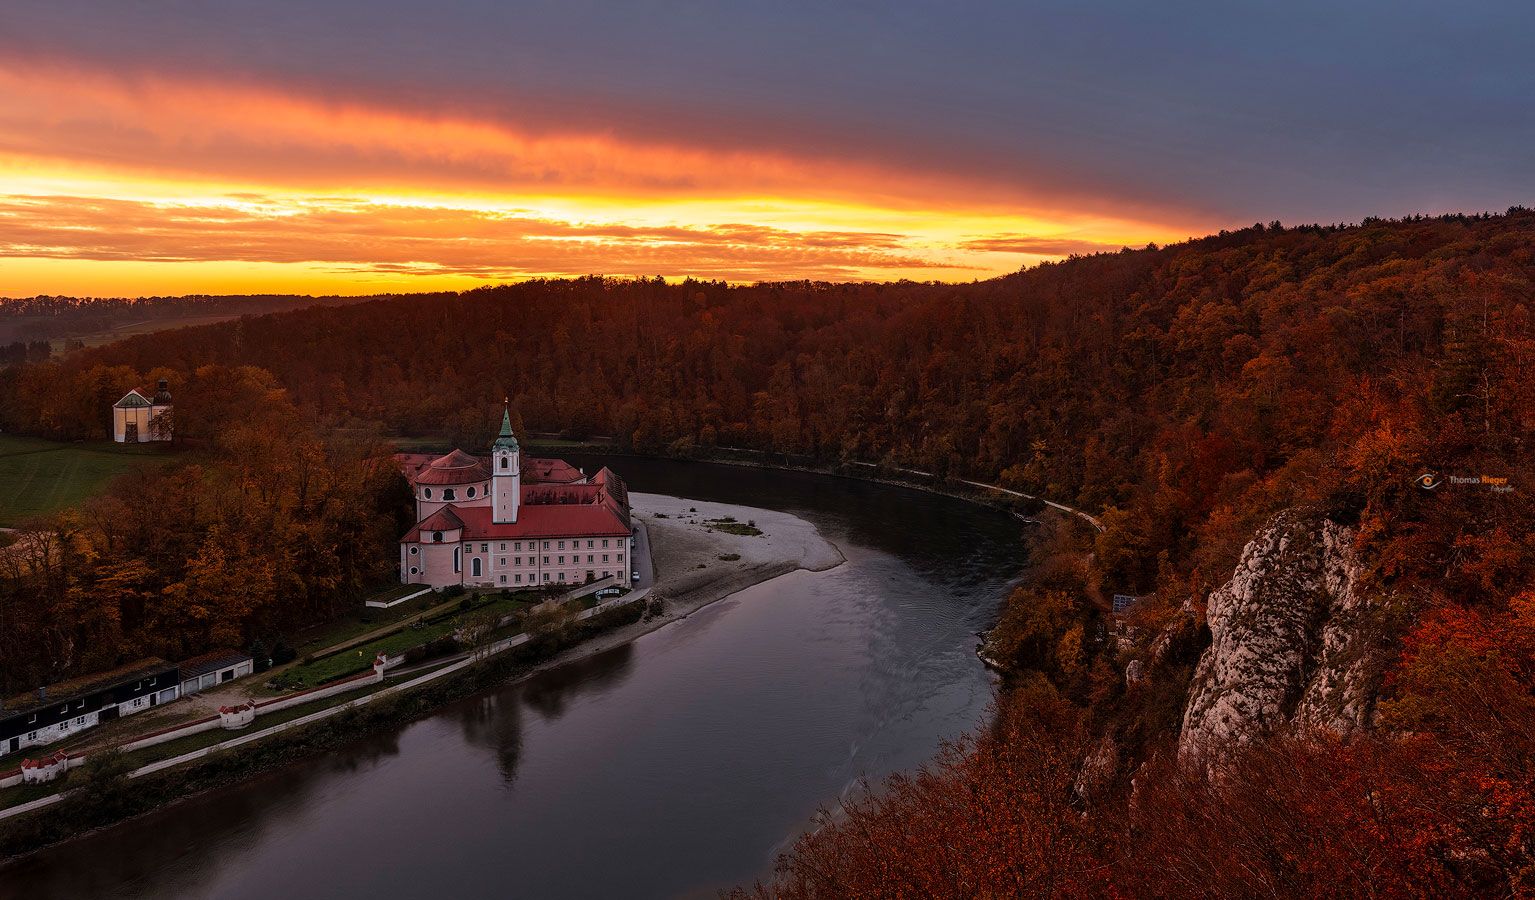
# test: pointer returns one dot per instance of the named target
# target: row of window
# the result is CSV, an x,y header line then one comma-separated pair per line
x,y
575,560
58,727
449,495
80,704
517,545
516,577
532,545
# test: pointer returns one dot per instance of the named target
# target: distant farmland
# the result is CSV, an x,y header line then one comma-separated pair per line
x,y
39,477
63,320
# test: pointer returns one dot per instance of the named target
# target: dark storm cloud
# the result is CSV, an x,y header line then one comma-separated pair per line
x,y
1231,111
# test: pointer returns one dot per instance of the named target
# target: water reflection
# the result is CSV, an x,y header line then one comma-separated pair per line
x,y
194,839
494,721
669,767
549,692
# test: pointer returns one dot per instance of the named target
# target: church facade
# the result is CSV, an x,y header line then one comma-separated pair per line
x,y
143,416
507,520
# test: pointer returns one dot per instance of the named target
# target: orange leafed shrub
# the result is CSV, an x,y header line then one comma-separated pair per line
x,y
1441,803
992,816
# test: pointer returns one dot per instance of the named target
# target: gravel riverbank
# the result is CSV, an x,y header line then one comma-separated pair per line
x,y
692,560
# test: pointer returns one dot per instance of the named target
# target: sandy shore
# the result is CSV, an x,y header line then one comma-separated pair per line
x,y
692,557
695,564
689,574
689,571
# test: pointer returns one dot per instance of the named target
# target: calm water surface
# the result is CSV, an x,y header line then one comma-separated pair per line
x,y
671,767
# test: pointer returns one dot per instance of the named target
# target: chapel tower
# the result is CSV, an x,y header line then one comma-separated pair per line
x,y
506,472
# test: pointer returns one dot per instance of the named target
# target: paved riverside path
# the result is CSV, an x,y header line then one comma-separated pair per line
x,y
1093,520
439,668
381,631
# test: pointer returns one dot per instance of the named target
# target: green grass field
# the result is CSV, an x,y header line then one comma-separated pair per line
x,y
38,477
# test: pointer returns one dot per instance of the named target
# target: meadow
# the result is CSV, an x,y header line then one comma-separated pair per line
x,y
38,476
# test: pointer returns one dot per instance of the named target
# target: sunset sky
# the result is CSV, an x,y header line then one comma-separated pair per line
x,y
357,147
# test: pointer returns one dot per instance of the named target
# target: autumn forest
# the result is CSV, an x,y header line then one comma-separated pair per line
x,y
1184,394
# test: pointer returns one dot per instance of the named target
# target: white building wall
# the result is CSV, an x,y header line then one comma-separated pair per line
x,y
434,562
210,679
432,497
506,474
60,730
121,418
129,707
554,560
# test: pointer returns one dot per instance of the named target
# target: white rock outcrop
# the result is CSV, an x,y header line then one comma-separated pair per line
x,y
1292,642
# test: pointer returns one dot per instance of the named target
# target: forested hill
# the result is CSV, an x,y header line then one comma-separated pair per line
x,y
1363,680
1190,390
32,323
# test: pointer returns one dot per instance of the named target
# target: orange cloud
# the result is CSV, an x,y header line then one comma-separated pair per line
x,y
228,131
118,169
250,134
1039,246
431,241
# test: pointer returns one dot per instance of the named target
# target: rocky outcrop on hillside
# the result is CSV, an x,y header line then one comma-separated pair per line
x,y
1293,642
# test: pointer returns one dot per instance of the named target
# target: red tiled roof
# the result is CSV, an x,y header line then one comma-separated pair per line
x,y
457,467
605,488
535,521
591,520
535,470
550,494
615,492
54,758
444,519
412,463
549,471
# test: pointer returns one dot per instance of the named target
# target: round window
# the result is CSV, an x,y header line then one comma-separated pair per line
x,y
414,570
471,492
427,493
437,536
414,550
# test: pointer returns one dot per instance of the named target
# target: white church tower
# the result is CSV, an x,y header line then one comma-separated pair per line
x,y
506,476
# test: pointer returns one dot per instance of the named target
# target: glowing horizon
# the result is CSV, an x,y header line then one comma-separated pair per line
x,y
124,185
349,147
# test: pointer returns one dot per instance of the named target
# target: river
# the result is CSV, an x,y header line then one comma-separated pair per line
x,y
674,766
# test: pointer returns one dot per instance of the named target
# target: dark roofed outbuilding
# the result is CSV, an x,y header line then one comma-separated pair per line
x,y
213,668
64,708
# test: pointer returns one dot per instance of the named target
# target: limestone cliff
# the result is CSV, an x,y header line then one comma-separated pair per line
x,y
1293,642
